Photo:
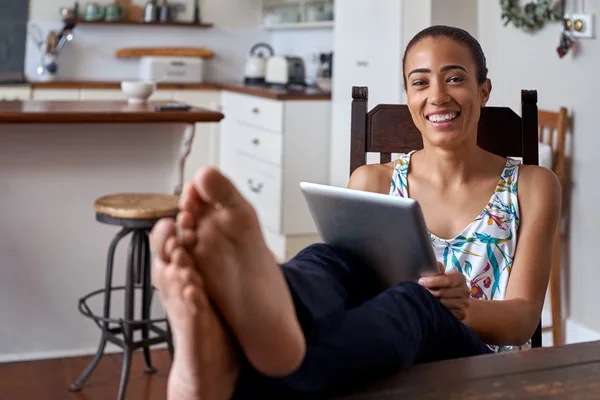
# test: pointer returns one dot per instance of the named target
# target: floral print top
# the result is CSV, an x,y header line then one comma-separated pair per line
x,y
483,252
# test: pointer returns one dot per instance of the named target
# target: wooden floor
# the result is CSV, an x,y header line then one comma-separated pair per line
x,y
50,379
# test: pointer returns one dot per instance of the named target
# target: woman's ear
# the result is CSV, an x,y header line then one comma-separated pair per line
x,y
484,92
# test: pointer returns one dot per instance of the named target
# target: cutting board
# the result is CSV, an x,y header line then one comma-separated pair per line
x,y
137,52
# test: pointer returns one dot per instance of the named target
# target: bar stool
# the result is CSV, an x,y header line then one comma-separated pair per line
x,y
136,213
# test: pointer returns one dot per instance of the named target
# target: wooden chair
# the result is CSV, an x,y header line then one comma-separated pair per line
x,y
389,128
553,124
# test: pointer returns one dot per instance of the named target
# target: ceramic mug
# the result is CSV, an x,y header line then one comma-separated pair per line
x,y
115,13
94,12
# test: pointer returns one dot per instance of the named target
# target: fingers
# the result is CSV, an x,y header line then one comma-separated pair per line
x,y
458,306
451,293
452,279
441,267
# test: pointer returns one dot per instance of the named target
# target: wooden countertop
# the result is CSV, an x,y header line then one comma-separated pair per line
x,y
99,112
238,87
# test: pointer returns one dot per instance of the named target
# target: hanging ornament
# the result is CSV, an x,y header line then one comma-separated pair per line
x,y
566,40
566,43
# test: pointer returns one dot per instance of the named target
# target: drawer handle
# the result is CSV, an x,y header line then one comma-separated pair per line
x,y
256,111
255,141
362,63
255,188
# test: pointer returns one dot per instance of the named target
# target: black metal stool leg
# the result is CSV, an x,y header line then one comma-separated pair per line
x,y
124,373
79,382
146,296
128,329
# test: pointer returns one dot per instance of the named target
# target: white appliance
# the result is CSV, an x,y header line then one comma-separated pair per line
x,y
172,69
285,70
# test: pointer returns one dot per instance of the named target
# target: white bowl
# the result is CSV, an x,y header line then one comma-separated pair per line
x,y
138,92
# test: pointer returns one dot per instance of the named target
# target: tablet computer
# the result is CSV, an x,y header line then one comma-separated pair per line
x,y
387,233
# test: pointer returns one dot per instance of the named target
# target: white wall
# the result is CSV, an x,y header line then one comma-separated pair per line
x,y
91,54
518,60
237,28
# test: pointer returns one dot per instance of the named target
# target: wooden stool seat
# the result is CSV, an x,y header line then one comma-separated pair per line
x,y
138,205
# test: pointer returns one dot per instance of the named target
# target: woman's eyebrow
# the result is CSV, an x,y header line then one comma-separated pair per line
x,y
443,69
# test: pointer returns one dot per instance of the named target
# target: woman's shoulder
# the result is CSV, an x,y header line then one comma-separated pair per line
x,y
372,177
539,188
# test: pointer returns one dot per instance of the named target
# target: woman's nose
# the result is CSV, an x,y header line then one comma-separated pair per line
x,y
438,94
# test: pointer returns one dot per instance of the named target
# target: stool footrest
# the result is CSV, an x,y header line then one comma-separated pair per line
x,y
132,324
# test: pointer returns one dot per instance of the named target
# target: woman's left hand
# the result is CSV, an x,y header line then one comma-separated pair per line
x,y
451,290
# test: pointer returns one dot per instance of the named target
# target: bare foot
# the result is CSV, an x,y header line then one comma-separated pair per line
x,y
205,364
242,277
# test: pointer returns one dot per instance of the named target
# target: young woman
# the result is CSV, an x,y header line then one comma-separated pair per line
x,y
246,327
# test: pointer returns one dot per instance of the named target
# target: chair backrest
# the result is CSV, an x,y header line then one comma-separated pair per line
x,y
389,128
553,131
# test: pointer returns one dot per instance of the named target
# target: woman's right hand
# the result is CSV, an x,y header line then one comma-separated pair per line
x,y
451,290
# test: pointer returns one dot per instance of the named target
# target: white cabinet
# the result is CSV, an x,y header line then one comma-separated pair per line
x,y
267,148
17,92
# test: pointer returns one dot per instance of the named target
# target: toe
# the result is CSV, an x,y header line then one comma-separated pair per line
x,y
170,245
186,233
186,220
191,201
214,188
181,258
163,230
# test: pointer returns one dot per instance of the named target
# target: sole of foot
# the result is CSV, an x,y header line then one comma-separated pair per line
x,y
223,233
206,361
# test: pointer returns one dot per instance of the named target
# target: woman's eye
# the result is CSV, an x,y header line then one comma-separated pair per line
x,y
418,83
456,79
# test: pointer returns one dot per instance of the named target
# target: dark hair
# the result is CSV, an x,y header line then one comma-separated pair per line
x,y
458,35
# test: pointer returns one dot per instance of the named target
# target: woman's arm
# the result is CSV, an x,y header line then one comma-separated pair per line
x,y
513,321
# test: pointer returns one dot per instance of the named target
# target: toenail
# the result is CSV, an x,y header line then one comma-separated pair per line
x,y
218,206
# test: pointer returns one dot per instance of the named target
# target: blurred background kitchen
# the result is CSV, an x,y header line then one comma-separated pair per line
x,y
229,28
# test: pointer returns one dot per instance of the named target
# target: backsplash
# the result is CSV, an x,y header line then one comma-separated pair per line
x,y
90,56
304,43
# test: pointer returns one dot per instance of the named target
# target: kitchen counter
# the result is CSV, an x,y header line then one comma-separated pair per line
x,y
253,90
56,159
35,111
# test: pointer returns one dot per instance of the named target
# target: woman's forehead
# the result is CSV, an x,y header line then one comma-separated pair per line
x,y
434,53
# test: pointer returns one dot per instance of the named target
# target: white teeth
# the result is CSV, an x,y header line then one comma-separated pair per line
x,y
442,117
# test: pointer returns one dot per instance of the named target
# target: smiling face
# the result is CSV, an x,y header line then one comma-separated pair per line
x,y
444,97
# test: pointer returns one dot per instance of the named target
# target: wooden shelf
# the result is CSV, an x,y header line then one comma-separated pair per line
x,y
301,25
179,24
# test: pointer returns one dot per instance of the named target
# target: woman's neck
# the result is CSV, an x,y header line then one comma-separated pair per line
x,y
450,168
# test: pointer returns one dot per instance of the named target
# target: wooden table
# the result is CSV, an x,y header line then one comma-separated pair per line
x,y
563,372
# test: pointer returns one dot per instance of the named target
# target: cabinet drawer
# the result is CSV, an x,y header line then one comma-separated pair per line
x,y
260,183
259,143
255,111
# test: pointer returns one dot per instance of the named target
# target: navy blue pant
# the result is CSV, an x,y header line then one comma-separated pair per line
x,y
353,332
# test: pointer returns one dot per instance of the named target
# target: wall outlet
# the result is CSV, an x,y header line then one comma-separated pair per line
x,y
582,25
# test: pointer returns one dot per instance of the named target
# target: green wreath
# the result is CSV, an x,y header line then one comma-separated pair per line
x,y
532,17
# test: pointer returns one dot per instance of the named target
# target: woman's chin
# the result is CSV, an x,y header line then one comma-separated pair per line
x,y
444,139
